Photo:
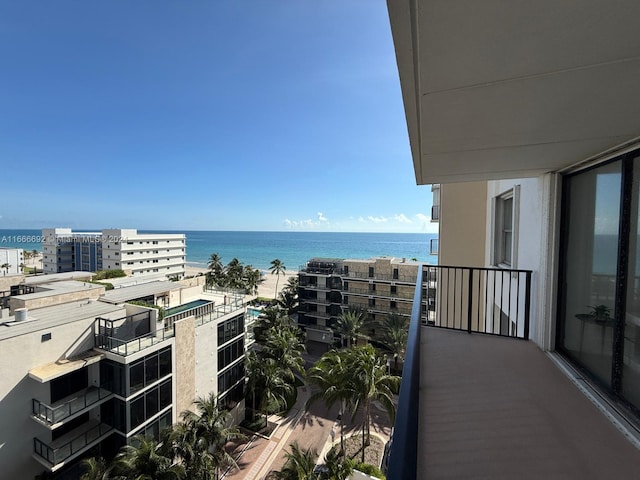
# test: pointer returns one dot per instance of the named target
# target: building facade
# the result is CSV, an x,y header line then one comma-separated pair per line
x,y
12,259
328,287
86,371
162,255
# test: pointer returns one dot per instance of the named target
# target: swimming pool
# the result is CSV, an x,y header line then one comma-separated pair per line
x,y
185,307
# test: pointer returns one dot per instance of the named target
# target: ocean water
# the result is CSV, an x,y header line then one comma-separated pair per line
x,y
260,248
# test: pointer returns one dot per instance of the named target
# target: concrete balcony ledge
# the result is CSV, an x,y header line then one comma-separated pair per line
x,y
495,407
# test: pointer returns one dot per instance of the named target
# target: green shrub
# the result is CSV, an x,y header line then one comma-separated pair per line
x,y
103,274
161,311
371,470
107,285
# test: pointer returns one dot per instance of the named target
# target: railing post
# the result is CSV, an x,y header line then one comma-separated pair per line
x,y
527,305
470,300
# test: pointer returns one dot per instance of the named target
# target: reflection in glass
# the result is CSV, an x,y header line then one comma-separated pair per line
x,y
631,357
593,205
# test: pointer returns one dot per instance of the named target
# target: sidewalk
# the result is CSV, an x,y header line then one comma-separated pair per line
x,y
259,453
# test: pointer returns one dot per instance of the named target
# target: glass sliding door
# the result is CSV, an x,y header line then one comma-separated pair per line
x,y
599,301
631,333
591,223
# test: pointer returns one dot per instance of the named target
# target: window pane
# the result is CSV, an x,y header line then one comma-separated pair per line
x,y
137,411
165,362
590,252
151,369
136,376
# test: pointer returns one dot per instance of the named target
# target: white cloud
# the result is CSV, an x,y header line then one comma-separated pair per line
x,y
373,219
422,217
309,223
402,218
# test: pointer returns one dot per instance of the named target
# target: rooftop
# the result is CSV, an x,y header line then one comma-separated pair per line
x,y
58,288
56,277
124,294
48,317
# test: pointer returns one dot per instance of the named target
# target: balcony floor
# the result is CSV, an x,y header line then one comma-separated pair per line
x,y
495,408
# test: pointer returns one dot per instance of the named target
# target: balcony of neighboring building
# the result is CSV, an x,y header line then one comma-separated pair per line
x,y
128,335
379,277
57,453
69,407
478,400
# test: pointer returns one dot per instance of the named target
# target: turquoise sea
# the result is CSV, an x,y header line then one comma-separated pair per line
x,y
259,248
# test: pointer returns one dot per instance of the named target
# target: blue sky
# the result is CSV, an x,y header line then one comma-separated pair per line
x,y
208,115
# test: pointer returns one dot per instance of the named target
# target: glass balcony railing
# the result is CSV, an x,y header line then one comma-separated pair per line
x,y
70,406
81,439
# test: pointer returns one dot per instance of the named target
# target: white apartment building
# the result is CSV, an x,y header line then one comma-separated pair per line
x,y
162,255
84,371
13,257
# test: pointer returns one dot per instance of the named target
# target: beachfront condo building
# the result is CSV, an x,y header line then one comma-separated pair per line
x,y
149,254
328,287
85,370
529,365
11,261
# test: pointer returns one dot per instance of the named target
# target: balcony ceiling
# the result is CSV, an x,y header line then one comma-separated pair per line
x,y
507,89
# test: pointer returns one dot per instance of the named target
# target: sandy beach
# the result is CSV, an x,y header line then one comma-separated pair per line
x,y
267,287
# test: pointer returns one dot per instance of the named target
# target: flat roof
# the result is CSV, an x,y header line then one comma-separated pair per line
x,y
120,295
56,277
58,288
48,317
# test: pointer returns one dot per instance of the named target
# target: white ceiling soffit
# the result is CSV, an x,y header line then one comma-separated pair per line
x,y
504,89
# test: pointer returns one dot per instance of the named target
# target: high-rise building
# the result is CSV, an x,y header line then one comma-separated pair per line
x,y
13,259
159,254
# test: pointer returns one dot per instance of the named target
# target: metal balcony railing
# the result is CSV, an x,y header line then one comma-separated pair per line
x,y
476,300
79,402
483,300
380,277
55,455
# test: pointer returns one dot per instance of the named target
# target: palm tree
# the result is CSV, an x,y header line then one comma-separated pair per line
x,y
22,265
350,323
95,469
145,460
337,467
299,465
233,271
292,285
395,333
370,381
270,319
6,267
210,431
288,300
251,279
277,268
253,373
215,265
274,387
332,377
285,346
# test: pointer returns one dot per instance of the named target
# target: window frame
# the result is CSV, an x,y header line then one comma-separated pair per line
x,y
503,257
